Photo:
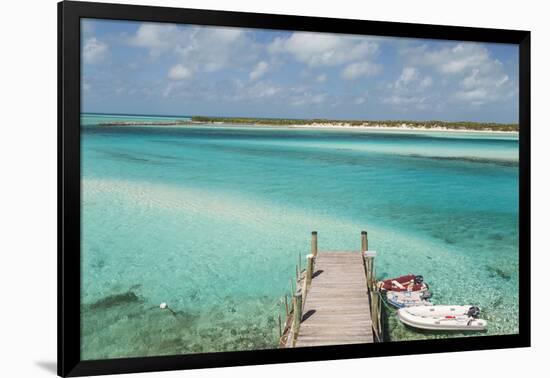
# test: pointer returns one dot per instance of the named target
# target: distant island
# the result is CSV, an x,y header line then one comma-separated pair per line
x,y
144,123
330,123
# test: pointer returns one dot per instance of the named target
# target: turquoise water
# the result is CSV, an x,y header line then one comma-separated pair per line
x,y
211,220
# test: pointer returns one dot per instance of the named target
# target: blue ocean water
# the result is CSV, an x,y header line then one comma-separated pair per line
x,y
212,219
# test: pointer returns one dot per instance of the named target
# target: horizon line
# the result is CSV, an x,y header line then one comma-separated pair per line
x,y
293,118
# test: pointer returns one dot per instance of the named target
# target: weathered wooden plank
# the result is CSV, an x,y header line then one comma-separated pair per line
x,y
336,309
322,341
354,282
339,299
336,337
327,291
334,318
363,326
339,333
320,315
317,308
360,322
326,343
334,324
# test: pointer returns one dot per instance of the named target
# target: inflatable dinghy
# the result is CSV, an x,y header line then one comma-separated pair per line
x,y
402,299
409,282
443,318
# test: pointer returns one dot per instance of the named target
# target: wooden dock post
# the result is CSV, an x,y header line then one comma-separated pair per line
x,y
314,243
364,241
286,306
369,268
297,304
280,326
309,271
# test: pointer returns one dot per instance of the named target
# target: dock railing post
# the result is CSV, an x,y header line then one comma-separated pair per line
x,y
297,304
309,271
369,268
368,258
364,241
286,305
280,326
314,243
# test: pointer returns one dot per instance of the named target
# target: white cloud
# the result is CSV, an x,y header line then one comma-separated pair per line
x,y
226,35
479,88
168,90
158,38
179,72
410,79
185,58
264,89
476,78
94,51
408,75
320,49
360,100
420,102
359,69
321,78
473,77
477,96
308,99
267,92
318,98
200,48
426,82
87,26
239,90
409,89
211,49
449,59
259,70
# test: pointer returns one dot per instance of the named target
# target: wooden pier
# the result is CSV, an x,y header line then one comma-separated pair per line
x,y
336,300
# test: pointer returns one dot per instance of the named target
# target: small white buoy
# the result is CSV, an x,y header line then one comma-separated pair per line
x,y
163,305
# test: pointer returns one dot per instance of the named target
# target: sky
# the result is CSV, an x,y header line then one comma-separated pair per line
x,y
166,69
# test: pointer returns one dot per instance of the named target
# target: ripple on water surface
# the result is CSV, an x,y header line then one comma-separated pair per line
x,y
212,220
222,261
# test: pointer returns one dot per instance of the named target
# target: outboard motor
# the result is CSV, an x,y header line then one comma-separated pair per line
x,y
473,312
426,295
418,280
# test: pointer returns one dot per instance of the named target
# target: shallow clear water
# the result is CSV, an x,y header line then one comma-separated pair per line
x,y
211,220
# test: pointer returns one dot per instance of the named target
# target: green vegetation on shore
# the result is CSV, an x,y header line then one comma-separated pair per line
x,y
473,126
397,123
143,123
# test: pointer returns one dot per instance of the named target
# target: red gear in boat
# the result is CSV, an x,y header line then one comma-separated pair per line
x,y
403,283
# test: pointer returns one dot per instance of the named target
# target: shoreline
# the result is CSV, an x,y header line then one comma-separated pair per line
x,y
397,128
312,126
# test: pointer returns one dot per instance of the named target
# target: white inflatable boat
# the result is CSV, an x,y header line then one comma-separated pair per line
x,y
402,299
443,318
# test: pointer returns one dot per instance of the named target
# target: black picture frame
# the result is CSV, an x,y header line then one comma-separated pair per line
x,y
69,15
